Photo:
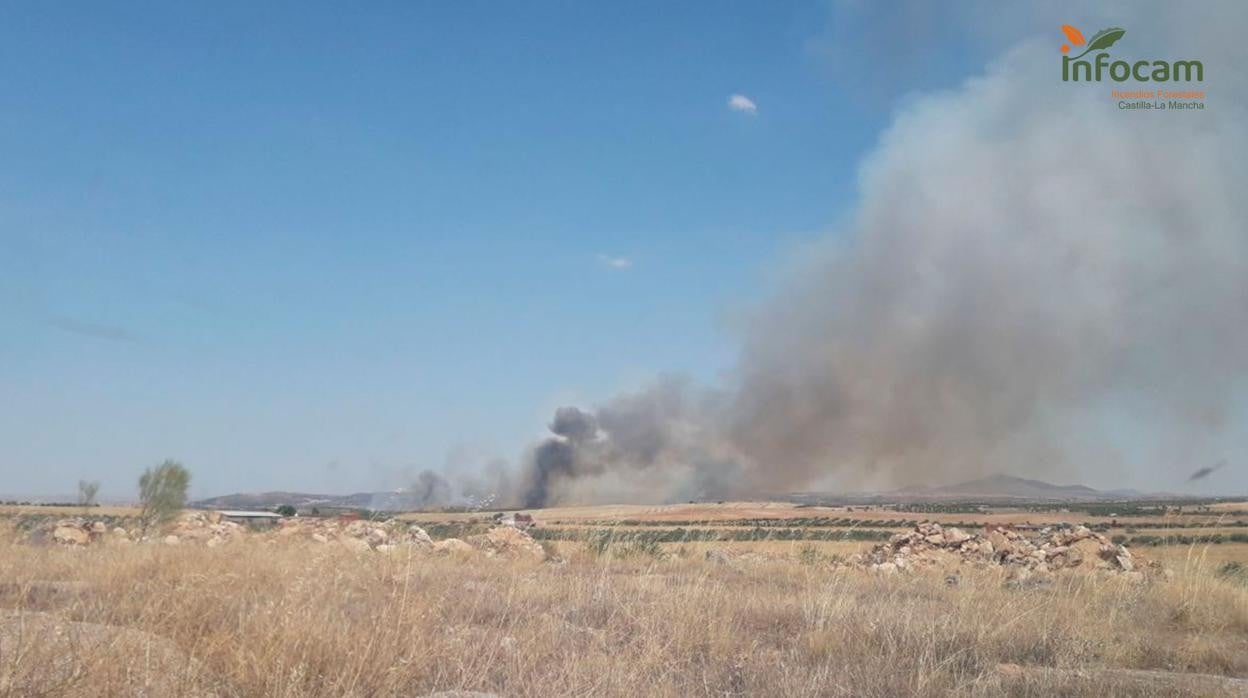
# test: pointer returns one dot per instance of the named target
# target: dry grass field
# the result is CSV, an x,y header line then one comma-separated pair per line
x,y
267,616
11,510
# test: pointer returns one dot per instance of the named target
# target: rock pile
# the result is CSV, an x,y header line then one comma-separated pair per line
x,y
78,531
203,527
453,546
208,528
70,531
506,541
1061,547
502,541
358,535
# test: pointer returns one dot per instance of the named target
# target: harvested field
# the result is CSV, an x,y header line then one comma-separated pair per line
x,y
849,527
10,510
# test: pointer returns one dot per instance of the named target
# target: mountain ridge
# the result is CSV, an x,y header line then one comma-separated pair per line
x,y
1004,486
998,487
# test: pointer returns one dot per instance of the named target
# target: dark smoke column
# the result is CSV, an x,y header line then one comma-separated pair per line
x,y
558,456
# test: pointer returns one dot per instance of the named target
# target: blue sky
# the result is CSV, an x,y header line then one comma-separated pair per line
x,y
315,246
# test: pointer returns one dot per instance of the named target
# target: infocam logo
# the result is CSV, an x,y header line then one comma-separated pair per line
x,y
1093,70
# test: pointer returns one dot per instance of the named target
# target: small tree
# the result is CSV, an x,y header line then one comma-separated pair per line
x,y
162,491
86,493
286,510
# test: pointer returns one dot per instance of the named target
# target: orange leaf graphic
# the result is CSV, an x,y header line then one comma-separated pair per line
x,y
1075,36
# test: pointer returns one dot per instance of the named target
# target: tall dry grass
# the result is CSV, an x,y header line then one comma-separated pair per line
x,y
291,619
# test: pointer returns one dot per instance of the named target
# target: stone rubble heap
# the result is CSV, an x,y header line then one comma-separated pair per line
x,y
1052,549
196,527
361,535
207,528
203,527
77,531
506,541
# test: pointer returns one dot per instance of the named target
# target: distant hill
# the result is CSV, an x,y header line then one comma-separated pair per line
x,y
1006,488
379,501
1011,487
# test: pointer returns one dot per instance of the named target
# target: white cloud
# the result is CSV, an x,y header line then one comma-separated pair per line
x,y
742,103
615,262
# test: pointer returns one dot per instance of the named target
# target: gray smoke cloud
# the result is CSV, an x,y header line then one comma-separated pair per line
x,y
491,485
657,444
431,489
1034,280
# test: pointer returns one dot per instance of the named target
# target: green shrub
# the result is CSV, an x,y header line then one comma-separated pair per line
x,y
162,492
640,548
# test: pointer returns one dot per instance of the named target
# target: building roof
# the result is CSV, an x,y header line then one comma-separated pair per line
x,y
240,514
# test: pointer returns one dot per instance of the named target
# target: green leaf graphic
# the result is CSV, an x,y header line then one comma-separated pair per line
x,y
1106,38
1103,40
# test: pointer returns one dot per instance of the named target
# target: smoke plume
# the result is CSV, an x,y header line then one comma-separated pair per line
x,y
1034,280
1206,471
430,489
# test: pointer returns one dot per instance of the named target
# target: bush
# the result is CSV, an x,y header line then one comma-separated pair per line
x,y
87,490
162,491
